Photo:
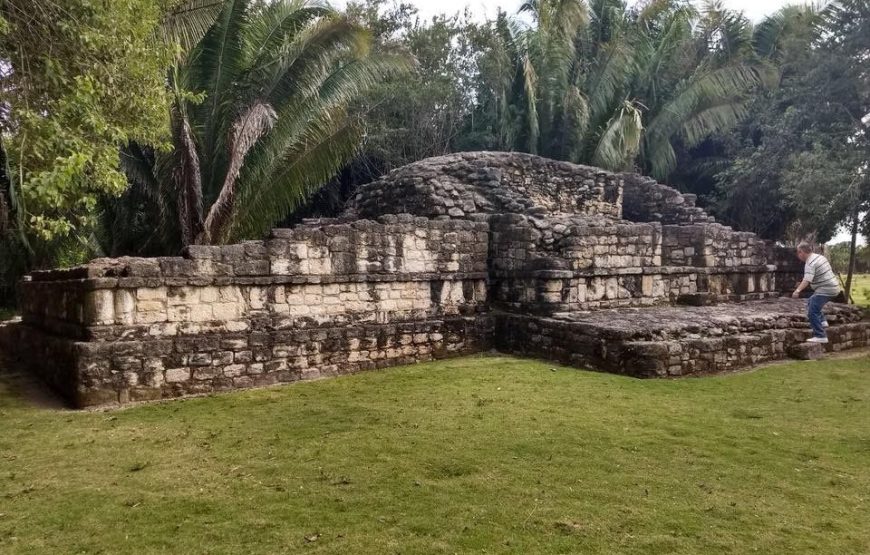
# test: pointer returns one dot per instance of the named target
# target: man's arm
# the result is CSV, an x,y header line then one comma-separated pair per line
x,y
801,286
809,274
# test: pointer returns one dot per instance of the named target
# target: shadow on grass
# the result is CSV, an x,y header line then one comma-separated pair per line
x,y
22,387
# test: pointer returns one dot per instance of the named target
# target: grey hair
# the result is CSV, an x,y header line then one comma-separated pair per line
x,y
805,247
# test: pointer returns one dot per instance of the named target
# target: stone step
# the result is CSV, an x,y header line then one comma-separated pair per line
x,y
806,351
681,340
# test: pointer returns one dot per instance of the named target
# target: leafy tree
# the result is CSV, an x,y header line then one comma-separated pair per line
x,y
804,154
422,114
68,72
614,87
839,255
260,120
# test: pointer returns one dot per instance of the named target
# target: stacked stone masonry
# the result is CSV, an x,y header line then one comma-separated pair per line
x,y
449,256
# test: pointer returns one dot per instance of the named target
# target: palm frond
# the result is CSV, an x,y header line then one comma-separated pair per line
x,y
306,170
187,23
613,69
576,122
770,37
311,56
530,87
718,118
187,177
215,68
718,88
620,141
253,124
314,136
267,38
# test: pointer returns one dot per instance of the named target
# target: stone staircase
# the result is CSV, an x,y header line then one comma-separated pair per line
x,y
681,340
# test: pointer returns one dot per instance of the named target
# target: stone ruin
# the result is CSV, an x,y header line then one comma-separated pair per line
x,y
448,256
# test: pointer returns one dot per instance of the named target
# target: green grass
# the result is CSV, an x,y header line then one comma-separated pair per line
x,y
861,289
494,455
6,313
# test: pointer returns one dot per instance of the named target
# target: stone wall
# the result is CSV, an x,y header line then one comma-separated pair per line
x,y
711,246
313,301
523,243
553,291
645,200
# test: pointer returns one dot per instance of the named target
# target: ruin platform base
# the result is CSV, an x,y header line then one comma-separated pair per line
x,y
678,340
451,255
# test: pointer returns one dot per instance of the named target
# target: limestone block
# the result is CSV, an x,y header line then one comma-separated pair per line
x,y
230,294
151,293
236,327
125,306
227,311
234,370
151,315
176,375
182,296
611,288
99,307
209,294
257,297
201,313
806,351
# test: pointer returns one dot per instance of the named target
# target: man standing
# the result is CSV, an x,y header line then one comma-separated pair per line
x,y
819,275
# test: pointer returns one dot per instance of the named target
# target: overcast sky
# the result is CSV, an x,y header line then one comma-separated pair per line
x,y
754,9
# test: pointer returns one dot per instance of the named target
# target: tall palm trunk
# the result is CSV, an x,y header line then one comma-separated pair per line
x,y
188,183
853,247
5,196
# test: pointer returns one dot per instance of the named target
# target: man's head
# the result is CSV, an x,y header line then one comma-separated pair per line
x,y
804,250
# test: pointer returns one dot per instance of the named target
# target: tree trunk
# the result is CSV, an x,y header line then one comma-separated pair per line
x,y
852,251
6,214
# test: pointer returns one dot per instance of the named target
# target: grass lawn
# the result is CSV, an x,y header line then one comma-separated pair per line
x,y
489,454
861,289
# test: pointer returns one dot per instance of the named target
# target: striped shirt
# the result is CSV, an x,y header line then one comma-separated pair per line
x,y
819,273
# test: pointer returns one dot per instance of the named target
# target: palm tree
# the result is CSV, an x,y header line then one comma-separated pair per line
x,y
601,84
260,120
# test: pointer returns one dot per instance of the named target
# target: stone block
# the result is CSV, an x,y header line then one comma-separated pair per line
x,y
99,307
177,375
806,351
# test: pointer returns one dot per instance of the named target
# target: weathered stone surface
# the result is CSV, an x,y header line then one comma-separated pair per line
x,y
448,256
806,351
461,185
676,341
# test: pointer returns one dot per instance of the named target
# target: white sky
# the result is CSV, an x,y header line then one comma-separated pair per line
x,y
754,9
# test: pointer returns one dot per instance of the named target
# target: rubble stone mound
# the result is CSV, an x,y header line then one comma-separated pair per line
x,y
452,255
470,185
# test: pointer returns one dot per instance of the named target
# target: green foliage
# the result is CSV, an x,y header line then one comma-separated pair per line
x,y
615,87
422,114
70,70
838,254
268,124
861,289
798,164
268,101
